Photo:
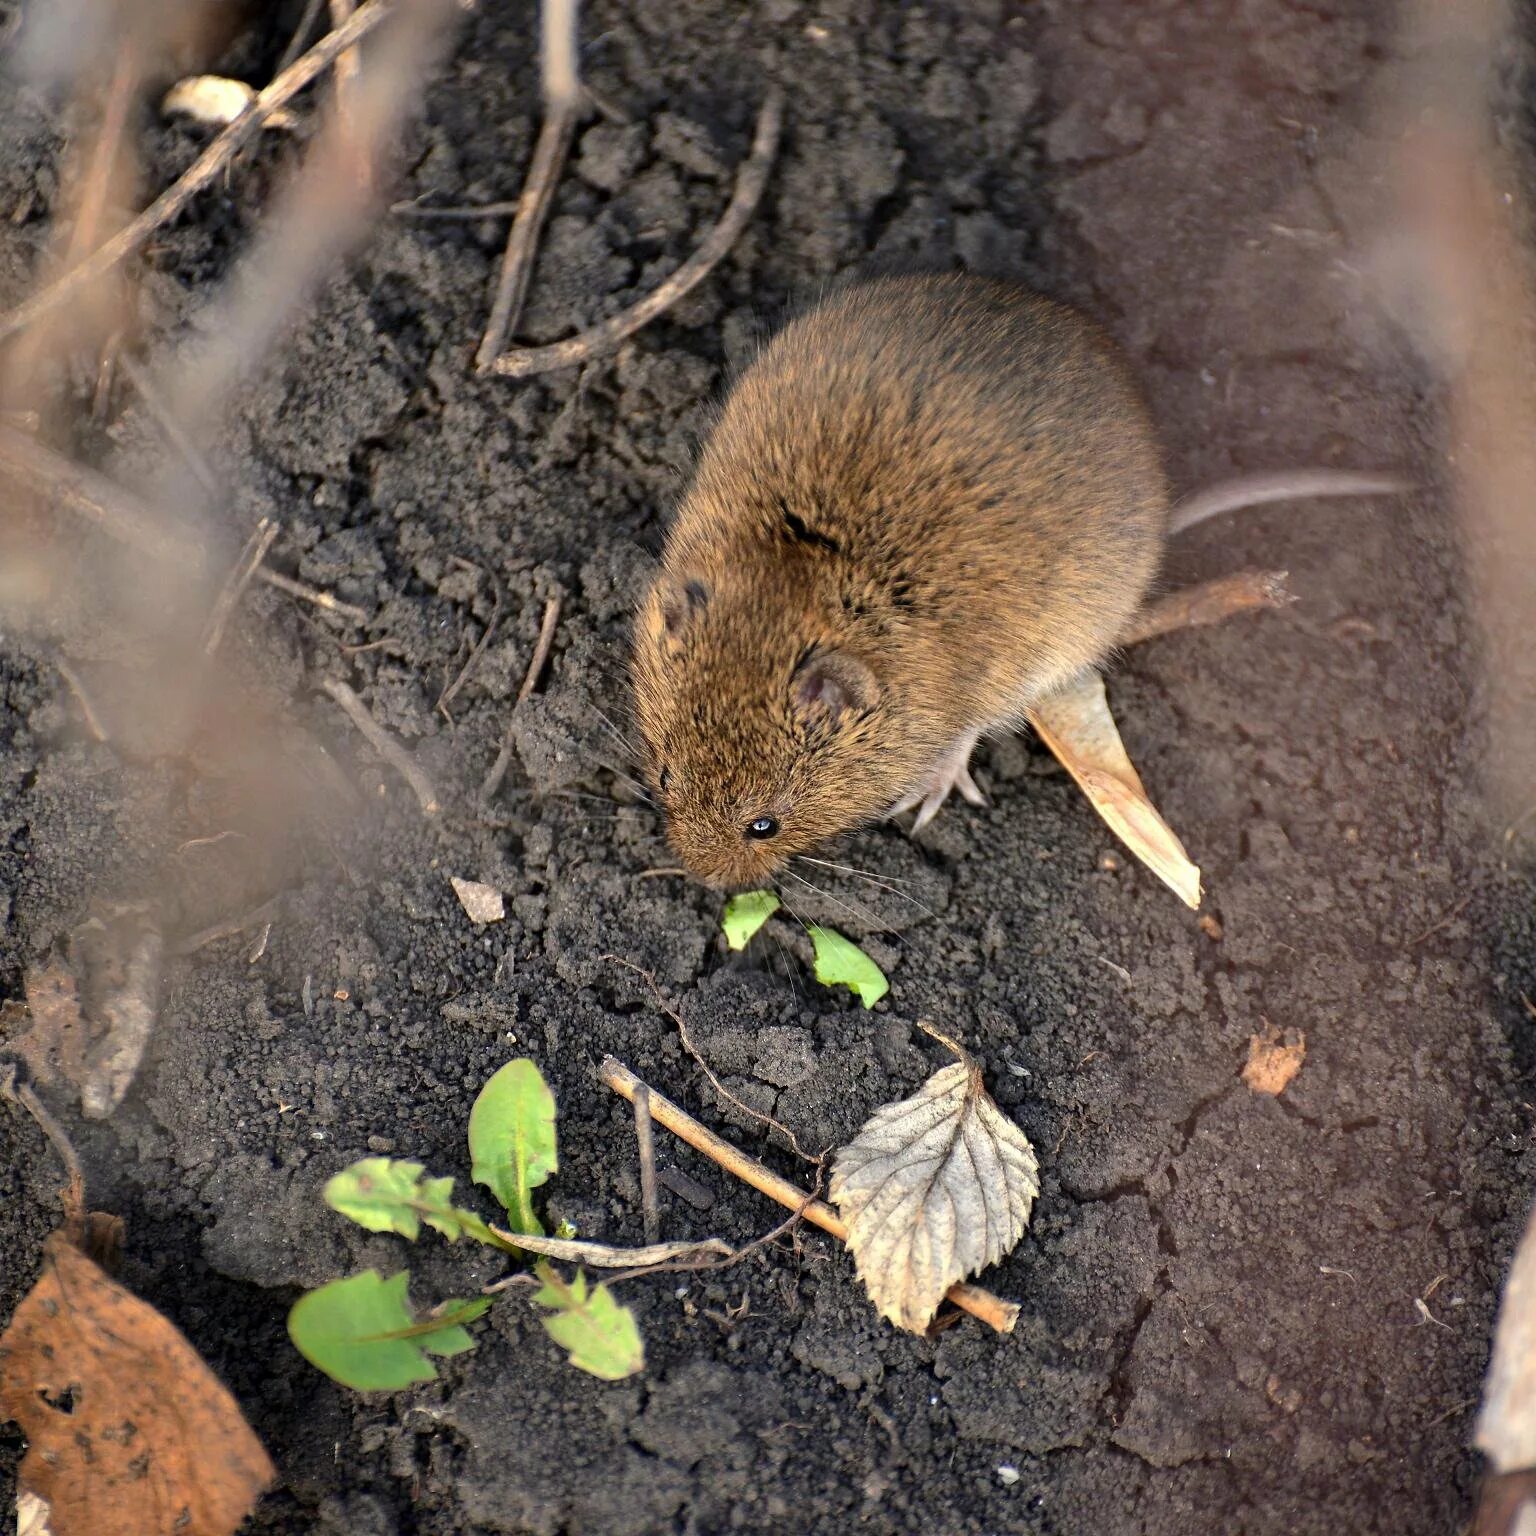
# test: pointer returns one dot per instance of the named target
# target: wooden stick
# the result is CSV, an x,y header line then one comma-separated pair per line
x,y
600,340
562,111
992,1310
311,595
541,648
82,698
203,170
558,68
645,1139
549,156
245,568
385,745
1209,602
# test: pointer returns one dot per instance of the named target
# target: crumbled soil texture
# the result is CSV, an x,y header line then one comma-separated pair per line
x,y
1240,1313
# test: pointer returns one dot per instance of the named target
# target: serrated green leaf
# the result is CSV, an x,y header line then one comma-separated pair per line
x,y
598,1334
841,963
745,913
360,1331
386,1194
512,1140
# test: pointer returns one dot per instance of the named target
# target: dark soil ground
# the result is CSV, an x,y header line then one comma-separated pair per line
x,y
1219,1328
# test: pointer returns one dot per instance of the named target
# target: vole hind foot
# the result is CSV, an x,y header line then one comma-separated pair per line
x,y
951,772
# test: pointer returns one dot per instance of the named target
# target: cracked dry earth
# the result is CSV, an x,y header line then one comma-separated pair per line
x,y
1219,1329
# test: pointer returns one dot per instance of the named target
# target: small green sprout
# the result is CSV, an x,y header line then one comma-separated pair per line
x,y
599,1335
745,913
360,1330
841,963
512,1140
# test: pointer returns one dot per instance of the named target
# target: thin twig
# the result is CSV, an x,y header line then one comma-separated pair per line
x,y
385,745
411,209
239,579
645,1139
549,156
73,1195
312,595
541,648
557,53
165,418
202,170
649,977
562,110
225,928
605,337
82,698
1455,912
992,1310
604,1256
447,696
1209,602
790,1222
300,34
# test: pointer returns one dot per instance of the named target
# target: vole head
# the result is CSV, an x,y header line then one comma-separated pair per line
x,y
762,728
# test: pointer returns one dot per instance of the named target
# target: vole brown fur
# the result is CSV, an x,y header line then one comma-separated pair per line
x,y
926,504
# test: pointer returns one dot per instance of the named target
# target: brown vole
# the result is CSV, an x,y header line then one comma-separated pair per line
x,y
927,503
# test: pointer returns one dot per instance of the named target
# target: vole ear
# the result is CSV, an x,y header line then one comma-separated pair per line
x,y
834,683
679,601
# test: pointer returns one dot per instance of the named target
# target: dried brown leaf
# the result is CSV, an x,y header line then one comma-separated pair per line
x,y
128,1431
1274,1059
1077,726
55,1045
933,1189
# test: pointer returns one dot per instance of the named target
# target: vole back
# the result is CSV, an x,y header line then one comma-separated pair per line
x,y
925,504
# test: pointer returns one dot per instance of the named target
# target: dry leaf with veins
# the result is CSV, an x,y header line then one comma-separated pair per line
x,y
933,1189
1078,728
128,1431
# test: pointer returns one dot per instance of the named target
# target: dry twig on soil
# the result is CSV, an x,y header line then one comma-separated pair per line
x,y
541,649
385,745
645,1140
606,337
982,1304
239,579
562,109
649,978
322,600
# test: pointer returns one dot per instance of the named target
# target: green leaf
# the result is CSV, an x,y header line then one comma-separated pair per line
x,y
597,1333
745,913
360,1331
841,963
384,1194
512,1140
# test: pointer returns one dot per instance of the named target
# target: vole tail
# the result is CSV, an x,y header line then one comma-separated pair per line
x,y
1280,485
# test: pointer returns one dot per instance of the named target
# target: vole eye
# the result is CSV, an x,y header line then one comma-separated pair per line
x,y
763,827
664,780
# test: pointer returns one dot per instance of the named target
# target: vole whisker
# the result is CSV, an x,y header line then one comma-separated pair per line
x,y
856,910
874,880
848,869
